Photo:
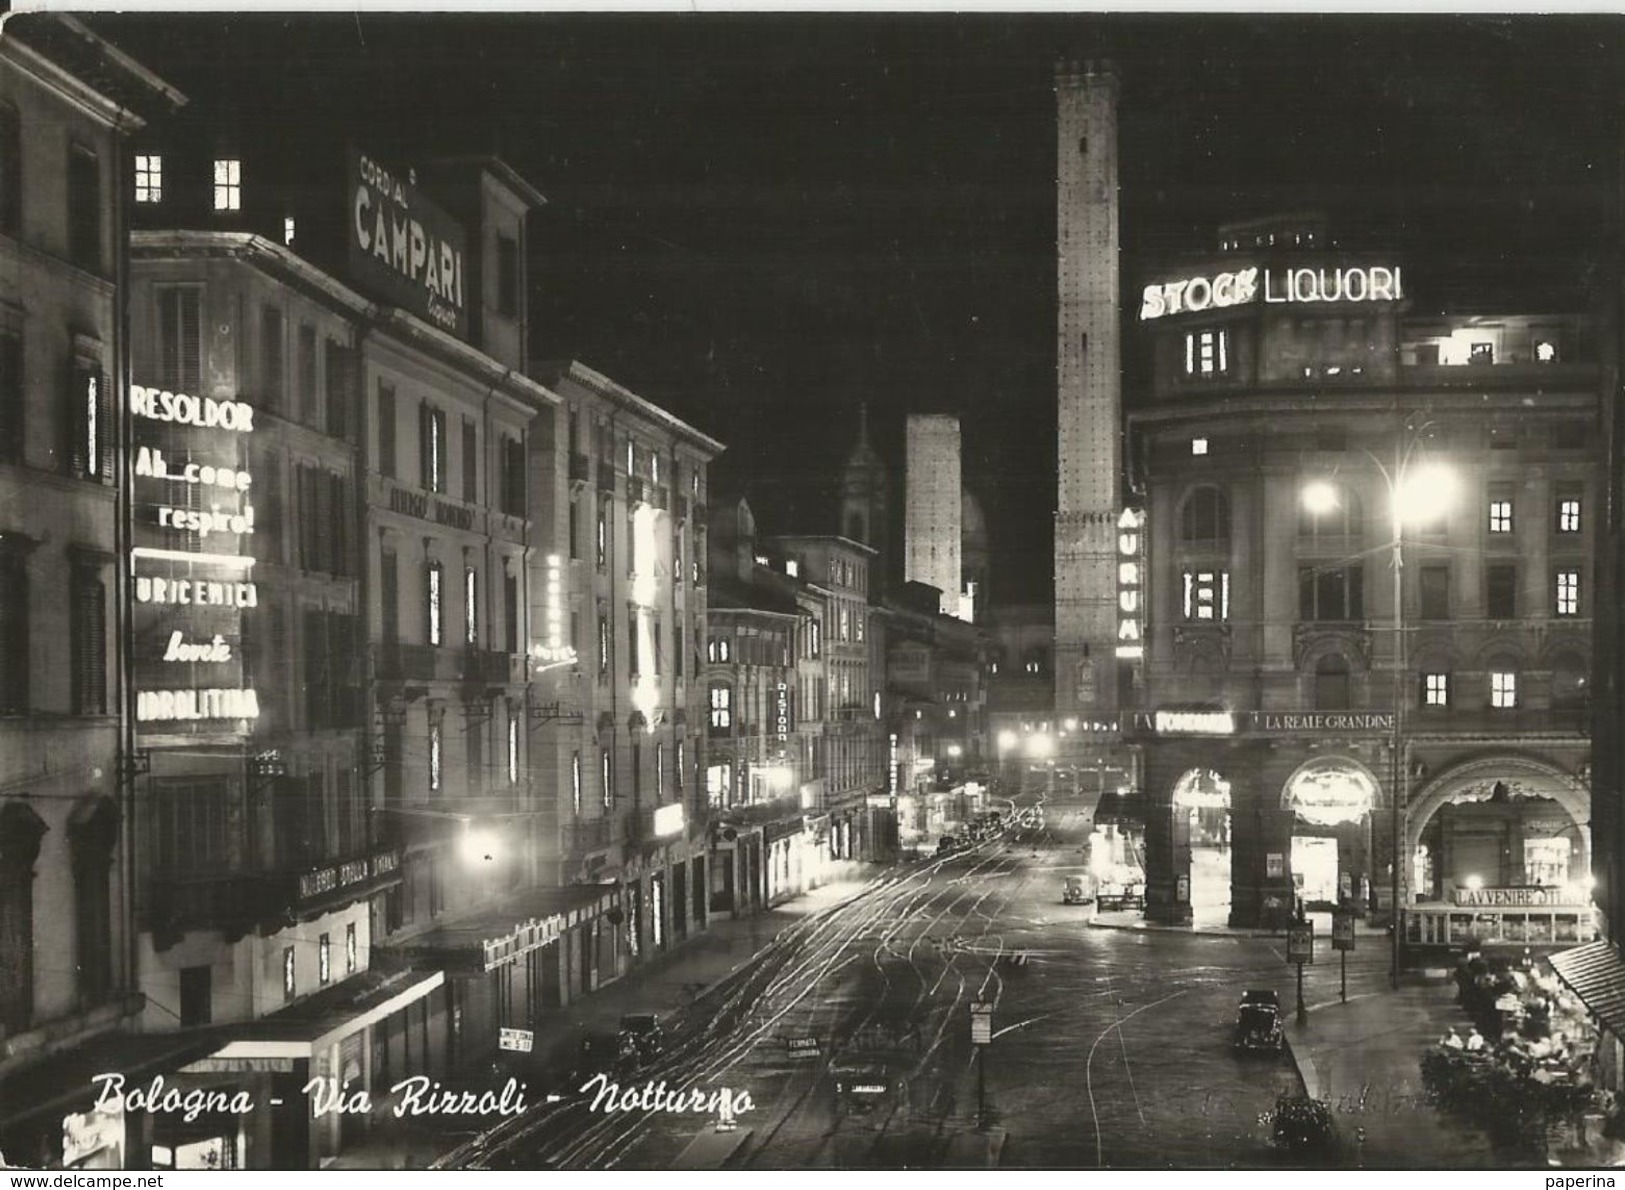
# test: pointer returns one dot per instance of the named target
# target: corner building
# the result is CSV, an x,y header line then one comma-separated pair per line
x,y
1293,717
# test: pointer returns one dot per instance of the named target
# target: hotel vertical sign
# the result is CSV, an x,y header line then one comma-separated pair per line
x,y
191,564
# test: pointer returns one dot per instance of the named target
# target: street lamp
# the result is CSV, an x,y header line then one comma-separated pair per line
x,y
1418,490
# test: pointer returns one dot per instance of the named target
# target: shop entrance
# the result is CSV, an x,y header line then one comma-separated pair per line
x,y
1202,844
1314,869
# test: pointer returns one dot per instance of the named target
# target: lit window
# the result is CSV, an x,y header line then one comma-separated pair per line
x,y
1207,595
352,955
1546,351
1568,592
1436,690
434,596
149,178
792,568
1503,689
606,776
857,621
1207,353
1481,353
660,769
434,756
1568,516
228,185
575,783
1500,516
287,229
513,749
718,783
721,707
471,633
289,983
324,958
1198,446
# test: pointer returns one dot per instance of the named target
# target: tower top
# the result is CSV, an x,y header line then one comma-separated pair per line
x,y
1086,72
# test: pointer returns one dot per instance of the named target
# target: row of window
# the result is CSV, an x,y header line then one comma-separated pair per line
x,y
81,199
606,775
1337,593
434,449
473,753
437,629
1208,354
87,628
642,462
83,432
1205,514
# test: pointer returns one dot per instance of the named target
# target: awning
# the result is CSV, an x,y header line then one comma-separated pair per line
x,y
1120,809
40,1095
502,933
316,1023
1595,973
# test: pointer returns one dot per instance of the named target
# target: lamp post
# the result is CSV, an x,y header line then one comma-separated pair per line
x,y
1412,490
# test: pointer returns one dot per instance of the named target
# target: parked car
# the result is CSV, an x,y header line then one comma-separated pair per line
x,y
948,844
642,1032
1077,891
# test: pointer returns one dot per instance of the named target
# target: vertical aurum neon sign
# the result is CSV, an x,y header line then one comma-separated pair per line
x,y
1130,583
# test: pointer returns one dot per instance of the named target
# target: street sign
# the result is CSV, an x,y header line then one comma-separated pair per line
x,y
1342,931
1300,944
519,1040
981,1023
802,1047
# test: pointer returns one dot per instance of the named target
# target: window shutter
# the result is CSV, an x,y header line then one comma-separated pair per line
x,y
386,430
340,388
322,488
180,338
425,450
12,399
89,643
471,461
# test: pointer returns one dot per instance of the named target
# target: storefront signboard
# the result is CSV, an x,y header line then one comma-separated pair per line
x,y
1342,931
519,1041
1513,898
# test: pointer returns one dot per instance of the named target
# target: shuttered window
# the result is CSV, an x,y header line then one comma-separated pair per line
x,y
13,401
85,209
513,480
471,460
13,634
180,313
386,430
308,398
89,642
432,447
273,356
317,683
389,587
340,361
11,170
90,424
189,824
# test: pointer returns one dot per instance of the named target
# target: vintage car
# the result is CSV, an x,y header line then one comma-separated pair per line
x,y
1258,1022
642,1033
948,845
1078,890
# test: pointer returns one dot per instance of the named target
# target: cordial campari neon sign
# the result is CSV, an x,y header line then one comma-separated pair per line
x,y
204,495
1192,295
1130,583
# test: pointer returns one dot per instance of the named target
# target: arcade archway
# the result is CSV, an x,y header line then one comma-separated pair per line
x,y
1201,812
1331,798
1502,821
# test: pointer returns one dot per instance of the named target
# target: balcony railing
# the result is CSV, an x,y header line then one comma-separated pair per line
x,y
580,468
238,902
401,662
489,667
637,491
606,476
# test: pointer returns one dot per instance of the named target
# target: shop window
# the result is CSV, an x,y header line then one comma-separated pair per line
x,y
1436,690
1546,861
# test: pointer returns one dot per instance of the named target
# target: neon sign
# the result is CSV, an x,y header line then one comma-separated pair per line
x,y
1130,583
152,705
1191,295
203,412
781,712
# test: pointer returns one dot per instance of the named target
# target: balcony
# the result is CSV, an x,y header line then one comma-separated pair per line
x,y
580,468
236,903
487,667
606,476
659,497
399,662
760,813
637,491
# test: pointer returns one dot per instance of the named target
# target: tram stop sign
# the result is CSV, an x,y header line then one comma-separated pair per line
x,y
1343,931
1300,944
981,1022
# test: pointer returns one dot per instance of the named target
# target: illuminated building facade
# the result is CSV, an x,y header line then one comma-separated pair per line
x,y
69,994
617,724
1296,399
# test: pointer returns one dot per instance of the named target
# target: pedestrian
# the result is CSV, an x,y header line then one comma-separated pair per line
x,y
1475,1040
1452,1039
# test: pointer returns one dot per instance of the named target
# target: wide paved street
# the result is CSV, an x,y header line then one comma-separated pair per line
x,y
1111,1047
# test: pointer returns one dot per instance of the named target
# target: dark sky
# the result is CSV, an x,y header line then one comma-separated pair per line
x,y
759,221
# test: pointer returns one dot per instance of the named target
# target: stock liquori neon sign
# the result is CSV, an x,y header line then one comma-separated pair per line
x,y
191,572
1192,295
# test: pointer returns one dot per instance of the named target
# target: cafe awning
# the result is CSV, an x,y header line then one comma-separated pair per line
x,y
1595,973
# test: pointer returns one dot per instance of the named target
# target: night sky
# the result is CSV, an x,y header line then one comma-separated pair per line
x,y
760,221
